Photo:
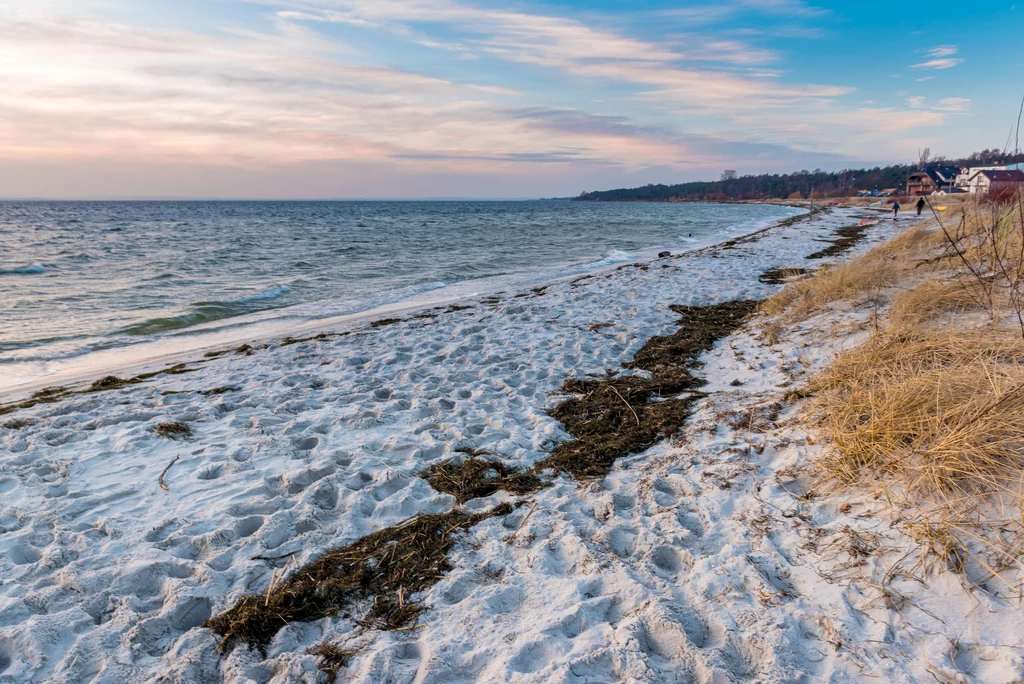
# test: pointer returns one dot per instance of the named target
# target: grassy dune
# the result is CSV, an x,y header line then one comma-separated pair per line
x,y
928,412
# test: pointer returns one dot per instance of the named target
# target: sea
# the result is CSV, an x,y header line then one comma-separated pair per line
x,y
80,281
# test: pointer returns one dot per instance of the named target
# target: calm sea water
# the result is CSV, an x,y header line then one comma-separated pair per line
x,y
76,277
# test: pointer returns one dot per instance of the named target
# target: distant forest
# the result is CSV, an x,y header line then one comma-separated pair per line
x,y
815,184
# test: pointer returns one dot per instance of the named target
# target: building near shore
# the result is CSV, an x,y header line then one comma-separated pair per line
x,y
996,182
932,178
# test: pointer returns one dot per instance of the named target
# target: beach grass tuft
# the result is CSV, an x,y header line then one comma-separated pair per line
x,y
928,412
862,276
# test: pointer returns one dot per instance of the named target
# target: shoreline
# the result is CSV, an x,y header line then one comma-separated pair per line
x,y
110,361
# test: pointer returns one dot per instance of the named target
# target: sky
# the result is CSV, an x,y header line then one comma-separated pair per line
x,y
279,99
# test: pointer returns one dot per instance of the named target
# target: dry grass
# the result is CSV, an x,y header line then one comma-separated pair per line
x,y
930,413
866,275
928,301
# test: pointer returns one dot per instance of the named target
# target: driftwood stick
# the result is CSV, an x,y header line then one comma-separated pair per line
x,y
162,485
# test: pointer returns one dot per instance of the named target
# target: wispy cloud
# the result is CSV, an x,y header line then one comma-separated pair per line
x,y
941,57
662,71
958,105
719,12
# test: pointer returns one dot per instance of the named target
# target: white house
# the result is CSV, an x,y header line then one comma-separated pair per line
x,y
996,181
963,179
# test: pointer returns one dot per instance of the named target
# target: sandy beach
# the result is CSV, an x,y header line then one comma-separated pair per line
x,y
698,559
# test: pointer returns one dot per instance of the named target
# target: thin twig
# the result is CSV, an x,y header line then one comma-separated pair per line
x,y
626,403
162,485
510,537
273,558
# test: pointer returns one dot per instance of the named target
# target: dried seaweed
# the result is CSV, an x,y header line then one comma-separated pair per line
x,y
297,340
474,477
333,659
778,276
386,569
174,431
846,239
50,395
620,415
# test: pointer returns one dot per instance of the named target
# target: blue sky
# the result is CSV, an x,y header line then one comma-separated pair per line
x,y
461,98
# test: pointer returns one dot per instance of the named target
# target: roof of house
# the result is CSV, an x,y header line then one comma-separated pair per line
x,y
942,174
1016,175
938,175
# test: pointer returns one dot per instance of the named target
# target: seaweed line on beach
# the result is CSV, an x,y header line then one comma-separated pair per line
x,y
811,213
845,240
385,569
779,276
613,416
474,477
619,415
51,395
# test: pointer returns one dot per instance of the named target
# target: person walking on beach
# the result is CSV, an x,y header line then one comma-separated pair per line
x,y
895,209
920,206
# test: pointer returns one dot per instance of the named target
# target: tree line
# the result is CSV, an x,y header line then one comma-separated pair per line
x,y
804,184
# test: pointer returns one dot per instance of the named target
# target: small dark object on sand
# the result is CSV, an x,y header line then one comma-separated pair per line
x,y
332,659
662,255
173,430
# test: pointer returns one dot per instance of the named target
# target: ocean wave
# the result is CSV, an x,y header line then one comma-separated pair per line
x,y
24,270
206,312
270,293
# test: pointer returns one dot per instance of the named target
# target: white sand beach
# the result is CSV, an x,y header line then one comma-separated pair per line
x,y
697,560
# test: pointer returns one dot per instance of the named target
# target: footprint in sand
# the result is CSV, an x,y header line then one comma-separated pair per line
x,y
6,653
691,523
667,559
622,541
664,493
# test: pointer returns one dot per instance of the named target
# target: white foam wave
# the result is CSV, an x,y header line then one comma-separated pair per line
x,y
615,256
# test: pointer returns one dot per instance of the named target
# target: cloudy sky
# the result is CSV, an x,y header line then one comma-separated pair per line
x,y
471,98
